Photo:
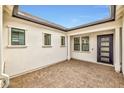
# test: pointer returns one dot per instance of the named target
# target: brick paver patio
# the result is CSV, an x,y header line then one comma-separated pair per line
x,y
71,74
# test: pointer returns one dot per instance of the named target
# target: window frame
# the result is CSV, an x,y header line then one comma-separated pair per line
x,y
18,31
74,44
43,41
62,45
9,27
85,44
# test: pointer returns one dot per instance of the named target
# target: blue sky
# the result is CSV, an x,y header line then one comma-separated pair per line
x,y
68,15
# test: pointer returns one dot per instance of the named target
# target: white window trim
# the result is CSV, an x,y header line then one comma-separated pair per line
x,y
61,41
9,38
43,45
80,51
79,42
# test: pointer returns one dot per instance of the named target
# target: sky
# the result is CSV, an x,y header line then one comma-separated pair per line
x,y
68,15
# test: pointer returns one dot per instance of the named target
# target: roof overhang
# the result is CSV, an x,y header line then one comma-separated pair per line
x,y
31,18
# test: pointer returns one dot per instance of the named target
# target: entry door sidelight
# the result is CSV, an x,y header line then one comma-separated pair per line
x,y
105,48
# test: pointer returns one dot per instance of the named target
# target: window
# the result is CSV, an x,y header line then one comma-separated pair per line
x,y
77,43
17,36
47,39
62,40
85,43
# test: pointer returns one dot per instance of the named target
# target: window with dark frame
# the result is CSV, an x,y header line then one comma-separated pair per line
x,y
17,36
85,43
76,43
62,40
47,39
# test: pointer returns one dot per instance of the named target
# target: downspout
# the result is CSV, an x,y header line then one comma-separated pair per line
x,y
121,48
123,45
68,48
4,79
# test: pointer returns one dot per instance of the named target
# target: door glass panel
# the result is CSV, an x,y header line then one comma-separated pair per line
x,y
105,54
104,59
104,48
105,39
104,43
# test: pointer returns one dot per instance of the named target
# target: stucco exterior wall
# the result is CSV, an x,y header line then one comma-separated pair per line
x,y
91,55
19,60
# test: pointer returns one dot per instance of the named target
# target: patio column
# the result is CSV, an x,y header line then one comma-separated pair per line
x,y
123,46
117,53
68,48
3,77
1,50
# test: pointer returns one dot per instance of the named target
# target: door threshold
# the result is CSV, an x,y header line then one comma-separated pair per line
x,y
95,62
105,64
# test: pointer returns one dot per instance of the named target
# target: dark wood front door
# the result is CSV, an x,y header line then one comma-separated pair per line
x,y
105,48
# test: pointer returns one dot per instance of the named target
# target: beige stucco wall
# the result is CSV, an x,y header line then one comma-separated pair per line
x,y
19,60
